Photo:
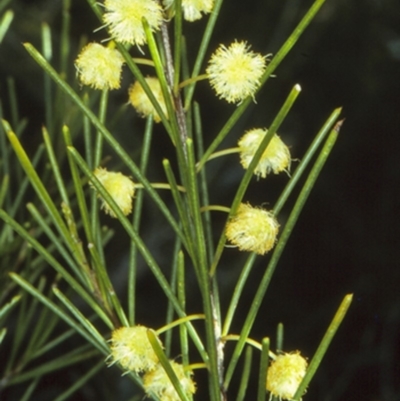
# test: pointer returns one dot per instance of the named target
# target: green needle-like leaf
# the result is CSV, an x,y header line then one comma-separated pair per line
x,y
323,347
53,262
137,214
166,364
59,312
262,376
5,23
244,379
86,324
6,308
39,186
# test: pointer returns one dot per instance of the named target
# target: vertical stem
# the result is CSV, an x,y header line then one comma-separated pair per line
x,y
213,325
218,342
170,73
169,67
205,280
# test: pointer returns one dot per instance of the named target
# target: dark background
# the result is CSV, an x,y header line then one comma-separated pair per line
x,y
347,238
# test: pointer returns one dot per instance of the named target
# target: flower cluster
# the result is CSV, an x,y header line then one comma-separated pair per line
x,y
276,157
120,187
157,382
124,19
99,66
131,348
252,229
192,9
235,71
141,102
285,374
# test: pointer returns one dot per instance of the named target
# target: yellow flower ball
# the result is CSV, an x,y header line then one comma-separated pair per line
x,y
131,348
192,9
124,19
276,157
120,187
141,102
285,374
235,71
157,382
252,229
99,66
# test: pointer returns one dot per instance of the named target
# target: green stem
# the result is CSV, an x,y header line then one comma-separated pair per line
x,y
54,165
165,81
213,329
204,191
244,275
181,208
137,214
177,45
262,376
245,375
279,338
181,291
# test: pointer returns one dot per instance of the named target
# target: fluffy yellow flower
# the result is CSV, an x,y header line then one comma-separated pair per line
x,y
157,382
252,229
124,19
140,101
131,348
120,187
235,71
192,9
99,67
276,157
285,374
